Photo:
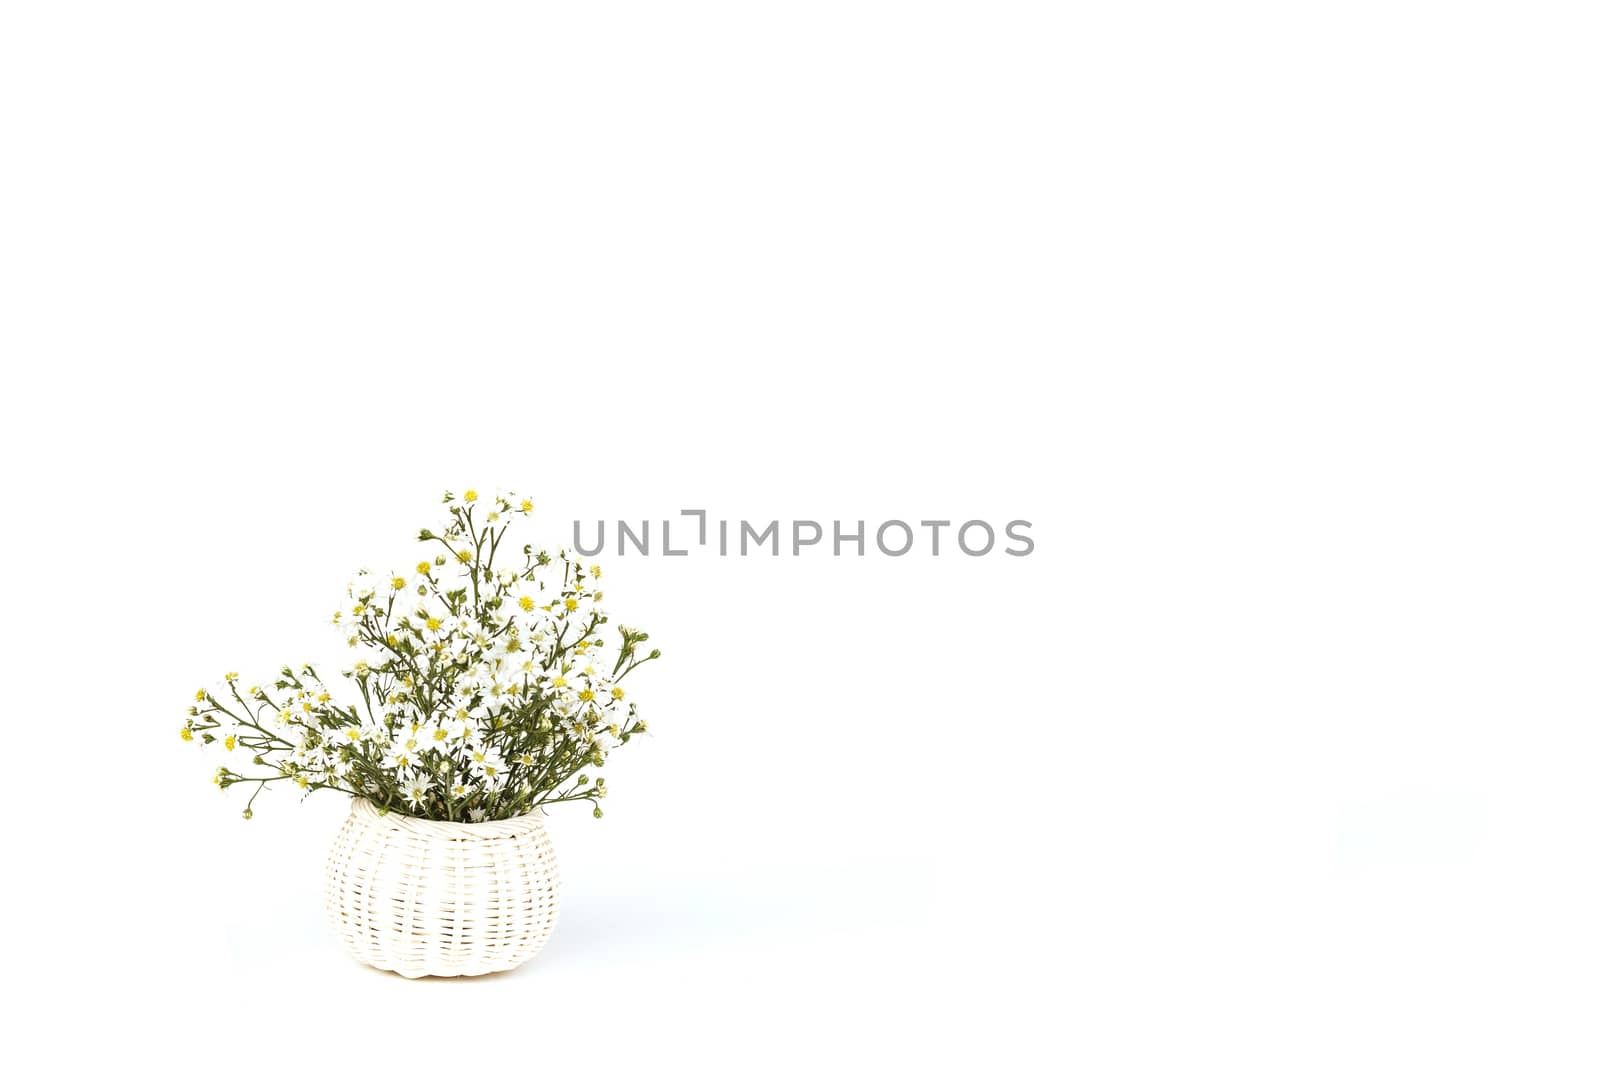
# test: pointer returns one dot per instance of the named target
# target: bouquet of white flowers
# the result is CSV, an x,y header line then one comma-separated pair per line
x,y
489,684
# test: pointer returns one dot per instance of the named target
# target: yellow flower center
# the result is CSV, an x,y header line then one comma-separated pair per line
x,y
571,603
527,507
186,733
525,603
463,555
434,624
229,742
586,694
397,582
424,567
470,495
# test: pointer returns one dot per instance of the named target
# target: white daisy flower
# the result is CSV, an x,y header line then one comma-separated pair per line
x,y
436,623
415,790
440,735
402,759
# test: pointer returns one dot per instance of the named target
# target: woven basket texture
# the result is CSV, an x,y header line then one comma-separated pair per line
x,y
420,897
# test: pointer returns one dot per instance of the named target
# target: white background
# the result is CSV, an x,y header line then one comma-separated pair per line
x,y
1276,320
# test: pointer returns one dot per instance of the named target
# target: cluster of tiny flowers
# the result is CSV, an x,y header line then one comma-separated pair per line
x,y
489,682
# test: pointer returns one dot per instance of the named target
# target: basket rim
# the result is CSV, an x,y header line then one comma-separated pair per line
x,y
492,828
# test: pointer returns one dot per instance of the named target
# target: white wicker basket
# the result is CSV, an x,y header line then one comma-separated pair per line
x,y
420,897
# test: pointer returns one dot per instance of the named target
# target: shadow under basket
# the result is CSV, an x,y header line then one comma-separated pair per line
x,y
420,897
